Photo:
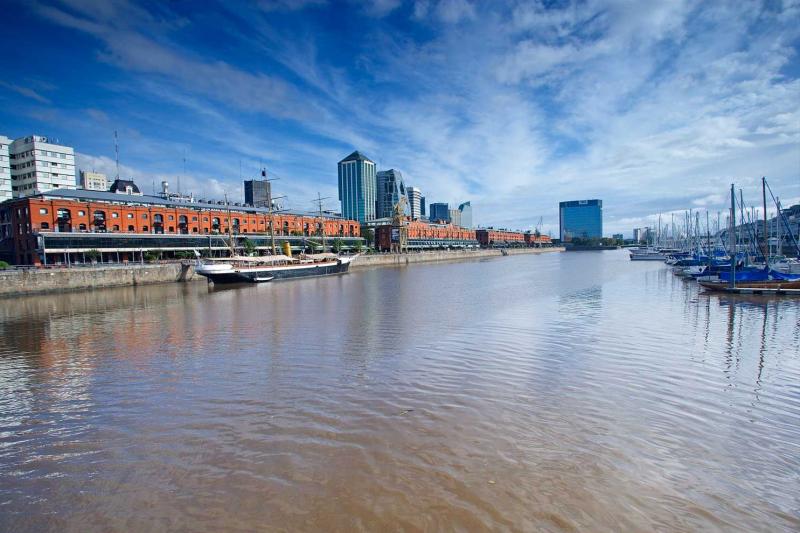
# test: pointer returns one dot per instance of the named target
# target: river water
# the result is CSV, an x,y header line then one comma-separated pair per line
x,y
561,392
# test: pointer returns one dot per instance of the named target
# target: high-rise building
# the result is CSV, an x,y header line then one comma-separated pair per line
x,y
94,181
465,215
357,187
39,165
5,170
618,236
455,216
637,234
440,212
580,219
390,188
258,193
417,203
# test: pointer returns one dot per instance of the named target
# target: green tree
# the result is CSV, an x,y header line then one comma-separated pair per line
x,y
249,246
358,246
93,255
4,265
151,256
338,244
369,236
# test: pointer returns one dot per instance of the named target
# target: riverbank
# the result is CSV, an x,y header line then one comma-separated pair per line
x,y
366,261
45,280
48,280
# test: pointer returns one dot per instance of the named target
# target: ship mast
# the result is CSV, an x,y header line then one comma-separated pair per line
x,y
319,201
230,227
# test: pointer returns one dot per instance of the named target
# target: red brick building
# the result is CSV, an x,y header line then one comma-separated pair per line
x,y
533,241
424,235
81,211
498,237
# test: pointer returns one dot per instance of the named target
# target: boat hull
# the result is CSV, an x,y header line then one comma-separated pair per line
x,y
277,273
724,286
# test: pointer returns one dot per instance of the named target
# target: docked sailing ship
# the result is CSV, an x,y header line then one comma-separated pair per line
x,y
245,269
259,269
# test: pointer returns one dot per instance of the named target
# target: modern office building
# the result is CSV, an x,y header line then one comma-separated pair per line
x,y
357,187
439,212
465,215
94,181
455,217
637,234
417,203
618,236
39,164
258,193
390,189
5,170
580,219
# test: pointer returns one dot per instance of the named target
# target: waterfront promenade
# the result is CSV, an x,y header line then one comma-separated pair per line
x,y
55,279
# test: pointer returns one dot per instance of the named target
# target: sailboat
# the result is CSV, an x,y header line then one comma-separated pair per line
x,y
751,279
258,269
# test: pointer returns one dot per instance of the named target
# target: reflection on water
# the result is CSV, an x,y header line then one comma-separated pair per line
x,y
549,393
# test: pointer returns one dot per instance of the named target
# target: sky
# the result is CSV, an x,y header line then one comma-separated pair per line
x,y
653,107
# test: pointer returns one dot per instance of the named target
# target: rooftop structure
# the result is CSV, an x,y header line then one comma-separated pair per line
x,y
121,186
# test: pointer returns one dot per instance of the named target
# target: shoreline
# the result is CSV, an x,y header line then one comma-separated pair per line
x,y
58,280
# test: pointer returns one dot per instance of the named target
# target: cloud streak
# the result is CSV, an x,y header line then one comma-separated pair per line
x,y
513,106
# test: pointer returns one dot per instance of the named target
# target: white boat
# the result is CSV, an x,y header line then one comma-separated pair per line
x,y
241,269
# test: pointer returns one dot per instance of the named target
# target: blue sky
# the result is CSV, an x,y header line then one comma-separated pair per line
x,y
654,107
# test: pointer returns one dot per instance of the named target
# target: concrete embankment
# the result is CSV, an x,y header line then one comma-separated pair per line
x,y
443,255
41,280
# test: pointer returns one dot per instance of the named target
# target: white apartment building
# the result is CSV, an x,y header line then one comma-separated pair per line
x,y
5,170
39,165
415,202
94,181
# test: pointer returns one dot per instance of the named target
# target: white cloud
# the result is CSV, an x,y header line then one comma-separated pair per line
x,y
651,107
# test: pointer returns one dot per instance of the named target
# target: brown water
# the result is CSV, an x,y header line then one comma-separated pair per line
x,y
561,392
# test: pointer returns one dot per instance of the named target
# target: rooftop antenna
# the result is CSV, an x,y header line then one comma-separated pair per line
x,y
116,151
184,171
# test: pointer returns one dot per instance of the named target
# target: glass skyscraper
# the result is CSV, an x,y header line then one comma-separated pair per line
x,y
466,215
357,187
440,211
580,219
390,188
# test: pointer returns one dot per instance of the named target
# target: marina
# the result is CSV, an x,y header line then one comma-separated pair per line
x,y
738,259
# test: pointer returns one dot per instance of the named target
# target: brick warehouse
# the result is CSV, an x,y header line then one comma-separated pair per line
x,y
499,237
423,235
27,223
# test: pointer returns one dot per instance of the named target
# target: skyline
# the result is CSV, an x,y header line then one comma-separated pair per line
x,y
514,107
